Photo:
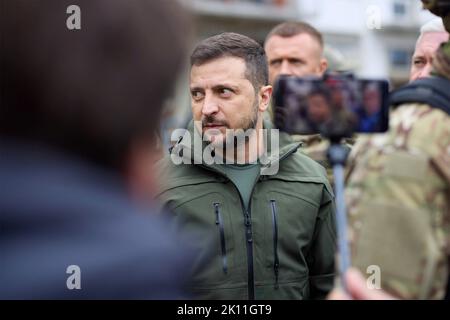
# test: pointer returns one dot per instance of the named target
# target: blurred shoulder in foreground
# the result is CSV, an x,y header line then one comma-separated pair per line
x,y
79,112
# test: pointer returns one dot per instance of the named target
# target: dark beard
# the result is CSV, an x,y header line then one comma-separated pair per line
x,y
249,123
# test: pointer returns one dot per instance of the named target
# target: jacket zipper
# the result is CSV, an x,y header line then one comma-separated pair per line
x,y
249,243
248,228
219,223
249,239
276,263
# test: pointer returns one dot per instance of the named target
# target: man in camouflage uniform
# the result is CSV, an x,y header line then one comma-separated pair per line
x,y
398,196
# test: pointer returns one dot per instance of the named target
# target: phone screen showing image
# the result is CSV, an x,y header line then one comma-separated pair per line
x,y
334,106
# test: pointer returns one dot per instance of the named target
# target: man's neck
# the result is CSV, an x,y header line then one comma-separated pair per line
x,y
248,151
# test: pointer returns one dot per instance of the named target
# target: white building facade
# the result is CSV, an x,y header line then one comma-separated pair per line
x,y
376,37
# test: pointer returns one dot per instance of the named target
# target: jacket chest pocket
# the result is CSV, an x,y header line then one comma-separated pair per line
x,y
289,223
206,220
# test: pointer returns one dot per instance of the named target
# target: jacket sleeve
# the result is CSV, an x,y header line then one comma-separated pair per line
x,y
321,257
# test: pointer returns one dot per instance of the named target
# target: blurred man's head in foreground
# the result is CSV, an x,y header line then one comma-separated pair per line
x,y
93,91
97,92
295,48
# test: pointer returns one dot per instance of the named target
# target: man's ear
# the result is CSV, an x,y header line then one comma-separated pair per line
x,y
265,93
323,66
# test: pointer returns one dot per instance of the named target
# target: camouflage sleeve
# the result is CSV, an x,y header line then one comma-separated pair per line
x,y
440,151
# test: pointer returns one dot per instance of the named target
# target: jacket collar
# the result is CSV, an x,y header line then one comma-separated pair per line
x,y
191,148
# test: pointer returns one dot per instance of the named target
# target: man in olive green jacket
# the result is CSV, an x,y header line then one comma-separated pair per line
x,y
264,228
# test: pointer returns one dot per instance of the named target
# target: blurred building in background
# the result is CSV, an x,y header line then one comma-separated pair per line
x,y
373,38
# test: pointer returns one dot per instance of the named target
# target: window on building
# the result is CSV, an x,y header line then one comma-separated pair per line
x,y
399,8
400,58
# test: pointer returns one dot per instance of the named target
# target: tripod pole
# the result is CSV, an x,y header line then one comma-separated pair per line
x,y
337,155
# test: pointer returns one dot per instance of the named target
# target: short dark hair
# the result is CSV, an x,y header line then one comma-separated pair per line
x,y
321,91
231,44
91,91
290,29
